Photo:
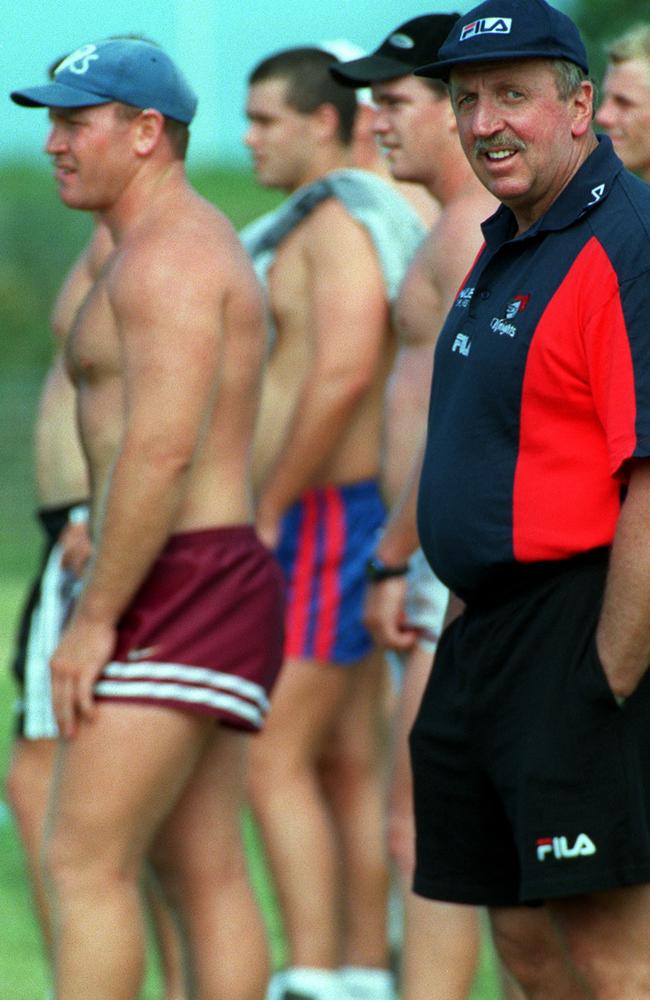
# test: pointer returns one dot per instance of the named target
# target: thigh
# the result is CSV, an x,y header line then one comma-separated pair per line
x,y
307,699
119,778
204,824
416,674
361,724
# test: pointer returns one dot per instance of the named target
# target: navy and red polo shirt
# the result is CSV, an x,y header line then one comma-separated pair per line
x,y
541,388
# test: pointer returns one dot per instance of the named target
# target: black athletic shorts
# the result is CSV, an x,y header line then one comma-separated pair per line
x,y
530,781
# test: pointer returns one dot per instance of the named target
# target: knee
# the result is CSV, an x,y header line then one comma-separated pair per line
x,y
18,798
74,864
184,870
532,952
27,796
401,843
612,959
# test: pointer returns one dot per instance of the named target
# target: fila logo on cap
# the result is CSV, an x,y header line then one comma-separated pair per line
x,y
487,26
401,41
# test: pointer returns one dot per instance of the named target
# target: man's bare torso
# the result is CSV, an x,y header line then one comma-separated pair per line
x,y
298,305
106,360
426,296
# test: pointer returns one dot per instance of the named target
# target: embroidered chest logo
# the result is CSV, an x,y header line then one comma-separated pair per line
x,y
462,345
515,307
558,847
464,298
487,26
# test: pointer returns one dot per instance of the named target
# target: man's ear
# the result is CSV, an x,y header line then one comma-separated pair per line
x,y
582,103
148,128
326,120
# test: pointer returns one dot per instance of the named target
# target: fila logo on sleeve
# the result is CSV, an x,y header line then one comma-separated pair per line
x,y
487,26
558,847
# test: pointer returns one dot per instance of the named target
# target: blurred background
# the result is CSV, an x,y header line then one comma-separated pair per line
x,y
216,44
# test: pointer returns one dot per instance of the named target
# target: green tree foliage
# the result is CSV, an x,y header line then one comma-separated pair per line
x,y
601,21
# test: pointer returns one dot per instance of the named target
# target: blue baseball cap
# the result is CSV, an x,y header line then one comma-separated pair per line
x,y
508,29
126,70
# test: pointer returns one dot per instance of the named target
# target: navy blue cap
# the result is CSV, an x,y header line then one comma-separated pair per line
x,y
398,55
508,29
126,70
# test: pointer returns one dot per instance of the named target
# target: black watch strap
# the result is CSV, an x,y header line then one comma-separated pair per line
x,y
377,570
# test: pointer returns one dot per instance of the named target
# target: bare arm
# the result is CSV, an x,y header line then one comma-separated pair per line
x,y
623,634
384,612
346,321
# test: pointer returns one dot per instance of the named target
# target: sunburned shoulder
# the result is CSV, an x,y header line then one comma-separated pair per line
x,y
192,241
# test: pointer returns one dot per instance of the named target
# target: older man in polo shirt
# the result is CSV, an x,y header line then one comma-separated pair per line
x,y
531,750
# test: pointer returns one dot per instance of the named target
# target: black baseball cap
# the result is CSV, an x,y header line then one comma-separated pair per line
x,y
508,29
410,45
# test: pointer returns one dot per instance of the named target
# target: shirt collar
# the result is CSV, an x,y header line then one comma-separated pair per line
x,y
586,190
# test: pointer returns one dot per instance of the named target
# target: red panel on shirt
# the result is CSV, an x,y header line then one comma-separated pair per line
x,y
578,380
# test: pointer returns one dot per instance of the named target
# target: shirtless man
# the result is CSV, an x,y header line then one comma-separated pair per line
x,y
624,111
317,770
62,488
175,640
416,127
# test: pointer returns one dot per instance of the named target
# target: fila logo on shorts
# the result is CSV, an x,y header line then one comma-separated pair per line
x,y
487,26
559,848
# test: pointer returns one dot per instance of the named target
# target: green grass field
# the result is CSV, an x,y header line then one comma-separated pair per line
x,y
31,224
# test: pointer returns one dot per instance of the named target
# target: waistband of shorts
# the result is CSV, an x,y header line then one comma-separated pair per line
x,y
511,580
362,488
220,534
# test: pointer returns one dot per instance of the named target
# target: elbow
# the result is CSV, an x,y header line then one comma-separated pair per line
x,y
167,459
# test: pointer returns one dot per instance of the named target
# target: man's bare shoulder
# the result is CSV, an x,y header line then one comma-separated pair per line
x,y
440,265
187,246
455,240
331,233
460,221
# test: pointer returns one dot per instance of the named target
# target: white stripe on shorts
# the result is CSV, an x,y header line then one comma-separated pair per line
x,y
185,684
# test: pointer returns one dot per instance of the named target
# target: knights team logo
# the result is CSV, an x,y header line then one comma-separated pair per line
x,y
486,26
517,306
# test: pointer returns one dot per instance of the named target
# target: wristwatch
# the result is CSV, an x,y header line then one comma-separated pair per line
x,y
377,570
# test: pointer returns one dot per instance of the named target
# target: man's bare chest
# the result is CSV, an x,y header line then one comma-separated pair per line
x,y
93,348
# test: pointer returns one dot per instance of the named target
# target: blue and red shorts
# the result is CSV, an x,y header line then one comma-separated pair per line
x,y
326,539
